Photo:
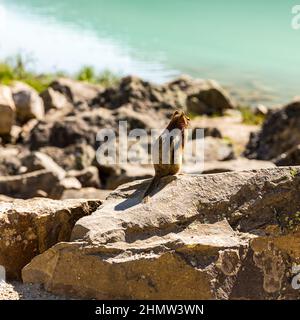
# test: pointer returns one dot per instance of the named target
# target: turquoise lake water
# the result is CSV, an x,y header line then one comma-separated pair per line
x,y
244,44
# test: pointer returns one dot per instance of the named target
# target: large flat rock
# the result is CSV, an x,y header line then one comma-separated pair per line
x,y
215,236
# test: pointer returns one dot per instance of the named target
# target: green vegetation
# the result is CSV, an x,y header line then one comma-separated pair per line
x,y
228,140
16,69
293,172
105,78
249,117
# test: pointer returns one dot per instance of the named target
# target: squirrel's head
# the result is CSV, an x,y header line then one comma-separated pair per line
x,y
180,119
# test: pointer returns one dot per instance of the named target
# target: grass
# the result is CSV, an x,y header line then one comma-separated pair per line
x,y
105,78
249,117
16,69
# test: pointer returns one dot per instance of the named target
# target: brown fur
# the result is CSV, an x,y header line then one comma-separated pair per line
x,y
180,121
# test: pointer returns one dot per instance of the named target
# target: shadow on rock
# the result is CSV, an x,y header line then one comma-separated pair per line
x,y
137,196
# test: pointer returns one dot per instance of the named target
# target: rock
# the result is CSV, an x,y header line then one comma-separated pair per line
x,y
59,114
279,134
38,134
28,185
71,183
261,110
98,118
88,177
59,155
231,129
54,100
28,103
210,99
26,130
140,120
83,127
186,84
15,134
73,157
29,227
126,173
239,164
200,151
86,193
291,157
275,257
165,269
71,131
76,91
7,110
141,95
208,132
60,134
10,163
217,149
5,198
39,161
198,237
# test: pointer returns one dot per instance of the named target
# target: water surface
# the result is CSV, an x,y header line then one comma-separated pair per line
x,y
249,45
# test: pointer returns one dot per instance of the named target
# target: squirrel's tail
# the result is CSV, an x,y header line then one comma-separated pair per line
x,y
153,184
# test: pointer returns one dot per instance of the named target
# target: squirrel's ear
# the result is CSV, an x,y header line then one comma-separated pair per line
x,y
175,113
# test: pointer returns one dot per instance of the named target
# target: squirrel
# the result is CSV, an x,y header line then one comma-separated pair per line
x,y
168,150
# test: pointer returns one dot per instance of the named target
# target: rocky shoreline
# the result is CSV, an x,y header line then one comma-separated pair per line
x,y
210,228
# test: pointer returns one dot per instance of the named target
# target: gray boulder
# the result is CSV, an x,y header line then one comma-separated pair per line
x,y
279,134
88,177
219,236
211,99
76,91
142,95
28,103
54,100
